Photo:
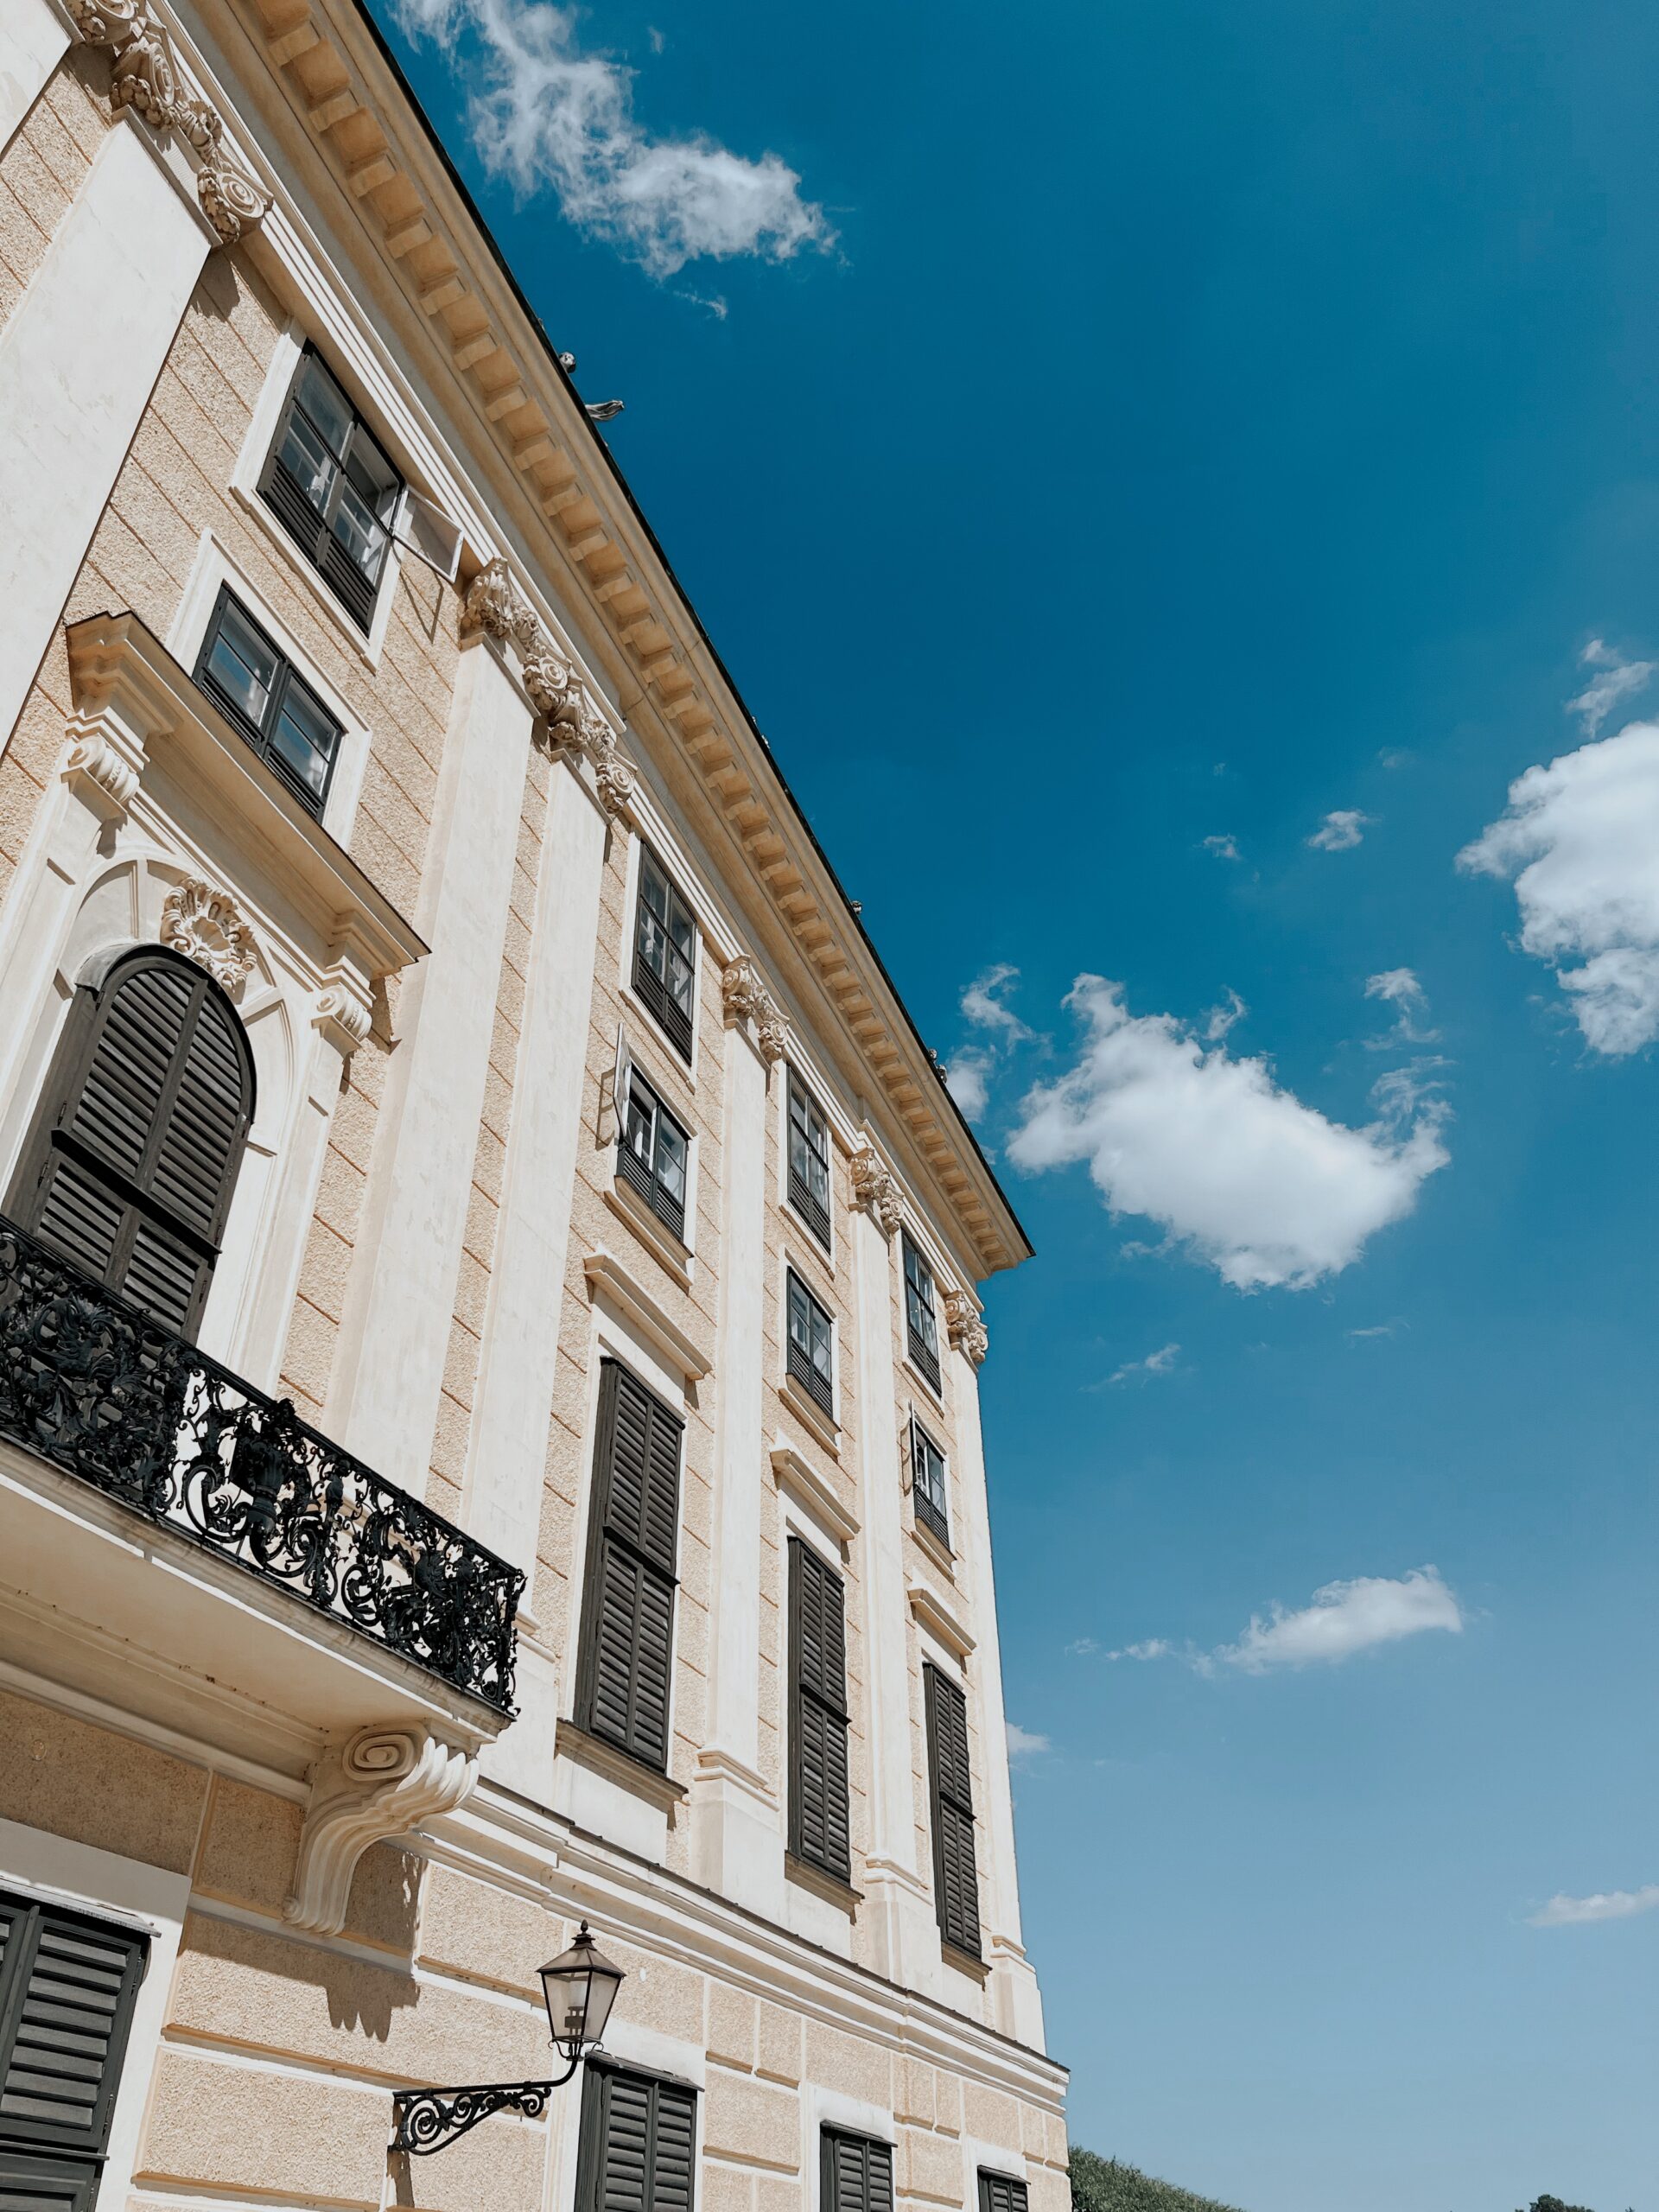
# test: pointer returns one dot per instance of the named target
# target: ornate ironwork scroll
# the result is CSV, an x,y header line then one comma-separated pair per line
x,y
93,1384
424,2120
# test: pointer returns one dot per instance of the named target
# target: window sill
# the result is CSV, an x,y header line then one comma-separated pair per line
x,y
621,1767
967,1962
659,1240
811,1414
823,1883
935,1546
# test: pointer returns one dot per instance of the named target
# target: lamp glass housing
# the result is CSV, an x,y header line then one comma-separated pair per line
x,y
580,1987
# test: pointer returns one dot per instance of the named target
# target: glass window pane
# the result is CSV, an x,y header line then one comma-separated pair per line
x,y
679,980
307,460
355,527
306,739
375,477
642,1115
326,403
680,926
242,664
670,1158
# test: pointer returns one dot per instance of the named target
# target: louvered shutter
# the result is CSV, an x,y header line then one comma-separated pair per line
x,y
955,1884
67,1987
857,2173
628,1625
135,1152
818,1816
638,2144
1000,2193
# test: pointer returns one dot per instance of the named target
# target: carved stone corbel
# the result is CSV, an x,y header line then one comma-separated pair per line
x,y
874,1189
966,1331
492,608
744,997
379,1784
106,764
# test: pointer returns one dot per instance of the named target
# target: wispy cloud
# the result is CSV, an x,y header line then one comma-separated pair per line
x,y
1395,756
999,1030
1025,1743
1341,1620
1240,1174
1579,840
1607,1904
1616,679
1399,989
1378,1329
1224,845
548,116
1155,1363
1341,830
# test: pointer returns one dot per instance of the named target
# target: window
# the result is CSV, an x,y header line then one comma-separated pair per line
x,y
817,1714
809,1160
921,1327
1000,2193
652,1153
331,488
627,1638
955,1884
857,2173
812,1345
638,2143
927,1484
67,1986
129,1166
274,707
664,954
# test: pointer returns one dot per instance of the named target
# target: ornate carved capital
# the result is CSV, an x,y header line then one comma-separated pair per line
x,y
965,1329
492,608
380,1783
345,1011
105,765
206,925
745,998
874,1189
147,79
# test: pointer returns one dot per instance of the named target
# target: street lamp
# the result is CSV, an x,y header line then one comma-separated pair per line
x,y
579,1988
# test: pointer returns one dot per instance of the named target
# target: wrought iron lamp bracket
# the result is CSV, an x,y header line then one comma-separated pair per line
x,y
425,2120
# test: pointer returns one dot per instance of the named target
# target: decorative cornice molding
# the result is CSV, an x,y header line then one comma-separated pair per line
x,y
207,927
147,79
744,997
967,1331
568,721
874,1189
382,1781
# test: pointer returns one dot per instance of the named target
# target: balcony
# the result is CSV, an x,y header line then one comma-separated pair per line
x,y
278,1574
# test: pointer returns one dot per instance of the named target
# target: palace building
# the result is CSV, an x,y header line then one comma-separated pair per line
x,y
489,1341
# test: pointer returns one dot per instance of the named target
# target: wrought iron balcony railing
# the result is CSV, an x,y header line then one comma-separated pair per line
x,y
95,1386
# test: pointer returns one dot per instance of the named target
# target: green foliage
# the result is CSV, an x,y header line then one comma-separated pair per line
x,y
1554,2204
1104,2185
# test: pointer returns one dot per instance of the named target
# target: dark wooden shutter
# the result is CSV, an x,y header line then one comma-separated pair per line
x,y
857,2173
628,1625
135,1149
67,1986
639,2141
818,1626
1000,2193
955,1884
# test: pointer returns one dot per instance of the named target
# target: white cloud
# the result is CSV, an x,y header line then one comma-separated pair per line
x,y
1220,1019
1024,1743
1344,1617
982,1006
549,117
1155,1363
968,1078
1618,680
1239,1173
1395,756
1580,842
1154,1647
1084,1647
1224,846
1609,1904
1381,1329
1399,989
1340,831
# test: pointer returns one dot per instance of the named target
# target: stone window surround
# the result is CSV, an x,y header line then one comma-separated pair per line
x,y
648,2050
60,1871
671,858
658,1064
822,2109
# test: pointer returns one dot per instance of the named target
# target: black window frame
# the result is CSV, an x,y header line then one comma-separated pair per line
x,y
261,736
311,530
602,2079
645,1177
656,992
67,1171
921,1310
798,1360
933,1512
625,1552
874,2189
805,1201
951,1789
820,1802
94,1966
1001,2192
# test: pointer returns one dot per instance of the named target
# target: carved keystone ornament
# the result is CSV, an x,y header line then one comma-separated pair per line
x,y
205,926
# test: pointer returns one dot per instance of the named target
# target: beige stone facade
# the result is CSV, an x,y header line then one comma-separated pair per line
x,y
341,1844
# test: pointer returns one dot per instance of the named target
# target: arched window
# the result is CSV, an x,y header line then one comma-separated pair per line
x,y
129,1166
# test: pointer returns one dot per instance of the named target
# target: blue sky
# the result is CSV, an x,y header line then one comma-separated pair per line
x,y
1160,476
